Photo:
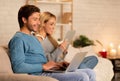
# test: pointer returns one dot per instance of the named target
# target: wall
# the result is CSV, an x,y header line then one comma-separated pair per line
x,y
8,16
97,19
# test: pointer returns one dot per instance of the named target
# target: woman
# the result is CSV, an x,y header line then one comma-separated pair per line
x,y
53,50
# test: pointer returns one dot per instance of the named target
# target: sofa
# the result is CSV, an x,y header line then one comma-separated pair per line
x,y
6,73
104,68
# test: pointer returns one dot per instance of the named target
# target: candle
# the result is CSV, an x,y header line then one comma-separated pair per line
x,y
118,51
103,50
111,46
113,52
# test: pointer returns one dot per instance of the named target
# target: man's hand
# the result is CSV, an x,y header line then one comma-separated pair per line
x,y
63,65
50,65
55,65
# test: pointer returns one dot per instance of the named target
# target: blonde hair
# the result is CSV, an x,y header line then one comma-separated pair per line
x,y
44,18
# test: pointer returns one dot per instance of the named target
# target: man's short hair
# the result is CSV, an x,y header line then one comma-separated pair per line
x,y
25,11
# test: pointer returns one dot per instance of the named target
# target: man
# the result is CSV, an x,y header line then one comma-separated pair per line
x,y
26,52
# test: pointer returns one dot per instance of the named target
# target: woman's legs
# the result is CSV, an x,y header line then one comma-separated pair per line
x,y
69,76
89,72
89,62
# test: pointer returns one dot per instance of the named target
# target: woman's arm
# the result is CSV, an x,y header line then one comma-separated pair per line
x,y
52,53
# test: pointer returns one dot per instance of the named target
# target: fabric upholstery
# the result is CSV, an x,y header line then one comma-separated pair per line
x,y
24,77
6,73
5,65
104,68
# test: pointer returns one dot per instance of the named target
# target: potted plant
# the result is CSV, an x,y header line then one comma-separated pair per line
x,y
82,41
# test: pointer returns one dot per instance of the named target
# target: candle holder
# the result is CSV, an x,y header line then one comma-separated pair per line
x,y
103,54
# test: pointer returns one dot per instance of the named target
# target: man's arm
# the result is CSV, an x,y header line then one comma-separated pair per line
x,y
17,56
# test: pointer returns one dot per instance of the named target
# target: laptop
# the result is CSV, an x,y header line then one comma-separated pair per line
x,y
74,64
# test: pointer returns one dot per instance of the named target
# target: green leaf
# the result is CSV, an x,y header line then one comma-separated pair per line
x,y
82,41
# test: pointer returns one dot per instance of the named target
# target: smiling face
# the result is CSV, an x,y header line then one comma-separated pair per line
x,y
33,22
49,26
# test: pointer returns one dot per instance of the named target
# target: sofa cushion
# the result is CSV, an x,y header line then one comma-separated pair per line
x,y
24,77
5,65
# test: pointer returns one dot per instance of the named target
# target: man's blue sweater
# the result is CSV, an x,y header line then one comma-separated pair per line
x,y
26,54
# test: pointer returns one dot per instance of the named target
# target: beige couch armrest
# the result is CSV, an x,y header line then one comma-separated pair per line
x,y
24,77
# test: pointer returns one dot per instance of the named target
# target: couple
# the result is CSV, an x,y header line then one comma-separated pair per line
x,y
27,52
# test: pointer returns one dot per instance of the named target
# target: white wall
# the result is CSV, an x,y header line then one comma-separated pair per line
x,y
8,16
97,19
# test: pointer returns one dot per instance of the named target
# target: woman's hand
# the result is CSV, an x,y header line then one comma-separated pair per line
x,y
63,45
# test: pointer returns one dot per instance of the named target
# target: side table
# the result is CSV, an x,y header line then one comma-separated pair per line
x,y
116,66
